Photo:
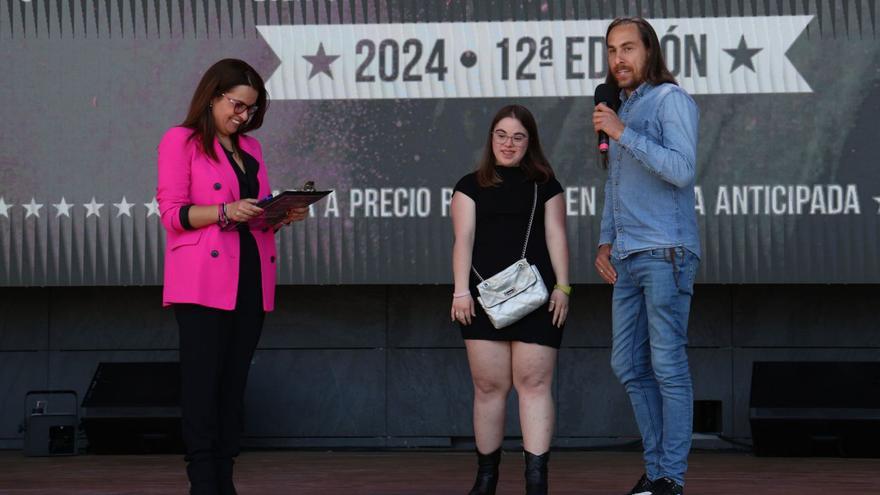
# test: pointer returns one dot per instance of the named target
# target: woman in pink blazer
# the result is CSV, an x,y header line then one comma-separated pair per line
x,y
221,283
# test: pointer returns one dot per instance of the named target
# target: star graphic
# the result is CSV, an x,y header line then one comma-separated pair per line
x,y
124,207
320,62
93,208
33,208
876,198
152,207
4,208
742,55
63,208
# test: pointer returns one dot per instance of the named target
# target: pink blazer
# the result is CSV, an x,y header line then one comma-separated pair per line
x,y
201,265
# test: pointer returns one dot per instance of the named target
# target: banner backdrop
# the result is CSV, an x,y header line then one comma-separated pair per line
x,y
389,102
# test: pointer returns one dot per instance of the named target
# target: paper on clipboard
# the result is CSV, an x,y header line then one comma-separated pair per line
x,y
275,208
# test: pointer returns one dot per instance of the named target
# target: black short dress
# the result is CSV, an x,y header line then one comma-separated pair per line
x,y
502,219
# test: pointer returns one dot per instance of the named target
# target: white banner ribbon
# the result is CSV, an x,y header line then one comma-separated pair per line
x,y
713,55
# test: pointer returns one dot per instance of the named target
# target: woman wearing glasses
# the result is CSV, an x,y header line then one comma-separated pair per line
x,y
220,283
491,211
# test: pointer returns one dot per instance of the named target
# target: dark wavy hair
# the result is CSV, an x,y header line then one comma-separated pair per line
x,y
218,79
655,70
534,163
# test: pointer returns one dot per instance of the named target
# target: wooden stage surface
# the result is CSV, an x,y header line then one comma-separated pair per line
x,y
431,473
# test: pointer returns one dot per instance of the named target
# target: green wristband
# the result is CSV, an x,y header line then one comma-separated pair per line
x,y
566,289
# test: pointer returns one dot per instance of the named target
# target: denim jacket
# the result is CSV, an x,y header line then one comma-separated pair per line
x,y
649,192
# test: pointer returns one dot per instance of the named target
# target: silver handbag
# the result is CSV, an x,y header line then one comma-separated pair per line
x,y
516,291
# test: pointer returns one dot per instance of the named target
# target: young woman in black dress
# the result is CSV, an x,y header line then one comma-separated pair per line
x,y
490,215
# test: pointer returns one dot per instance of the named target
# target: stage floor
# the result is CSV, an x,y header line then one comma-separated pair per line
x,y
430,473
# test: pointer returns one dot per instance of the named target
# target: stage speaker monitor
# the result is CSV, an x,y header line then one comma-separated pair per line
x,y
51,423
133,408
815,409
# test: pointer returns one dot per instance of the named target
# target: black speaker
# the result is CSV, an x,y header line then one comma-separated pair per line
x,y
49,429
815,409
133,408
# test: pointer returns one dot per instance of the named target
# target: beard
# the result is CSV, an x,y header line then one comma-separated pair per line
x,y
630,81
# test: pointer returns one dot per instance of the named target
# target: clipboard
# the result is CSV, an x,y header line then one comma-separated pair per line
x,y
275,207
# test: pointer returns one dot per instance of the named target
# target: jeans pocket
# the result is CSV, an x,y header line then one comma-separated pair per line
x,y
686,271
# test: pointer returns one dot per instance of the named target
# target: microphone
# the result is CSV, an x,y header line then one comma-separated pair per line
x,y
607,94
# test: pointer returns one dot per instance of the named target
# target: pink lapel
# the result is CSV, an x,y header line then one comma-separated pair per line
x,y
225,170
248,144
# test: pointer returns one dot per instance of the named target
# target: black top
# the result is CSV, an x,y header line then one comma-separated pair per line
x,y
502,215
250,286
248,183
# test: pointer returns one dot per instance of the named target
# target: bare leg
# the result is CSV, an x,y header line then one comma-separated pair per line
x,y
491,373
533,367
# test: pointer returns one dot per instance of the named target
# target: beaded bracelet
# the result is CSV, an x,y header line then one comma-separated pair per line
x,y
457,295
222,219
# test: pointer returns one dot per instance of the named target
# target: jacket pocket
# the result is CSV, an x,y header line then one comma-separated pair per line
x,y
188,238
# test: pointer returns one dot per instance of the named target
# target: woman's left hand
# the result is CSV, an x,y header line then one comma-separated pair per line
x,y
295,215
558,306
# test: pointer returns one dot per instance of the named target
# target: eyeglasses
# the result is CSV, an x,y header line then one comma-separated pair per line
x,y
240,106
501,137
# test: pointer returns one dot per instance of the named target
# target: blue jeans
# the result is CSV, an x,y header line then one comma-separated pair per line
x,y
650,308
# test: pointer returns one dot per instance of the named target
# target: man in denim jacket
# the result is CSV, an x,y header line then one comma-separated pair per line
x,y
649,246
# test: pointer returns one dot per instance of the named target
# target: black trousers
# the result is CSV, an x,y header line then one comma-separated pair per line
x,y
216,348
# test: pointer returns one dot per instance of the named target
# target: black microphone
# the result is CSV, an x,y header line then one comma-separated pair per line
x,y
607,94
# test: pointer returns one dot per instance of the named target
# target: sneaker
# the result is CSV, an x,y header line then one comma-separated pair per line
x,y
643,487
665,486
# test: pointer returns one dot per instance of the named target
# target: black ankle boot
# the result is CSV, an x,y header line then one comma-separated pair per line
x,y
487,473
202,477
536,473
223,466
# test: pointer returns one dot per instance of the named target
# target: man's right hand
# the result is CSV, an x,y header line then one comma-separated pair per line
x,y
603,264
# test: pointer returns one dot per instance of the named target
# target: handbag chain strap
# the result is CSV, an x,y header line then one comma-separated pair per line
x,y
528,232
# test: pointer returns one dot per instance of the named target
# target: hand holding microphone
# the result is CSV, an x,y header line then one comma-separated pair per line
x,y
605,119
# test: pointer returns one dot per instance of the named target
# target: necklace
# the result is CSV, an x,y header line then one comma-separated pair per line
x,y
233,151
235,156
